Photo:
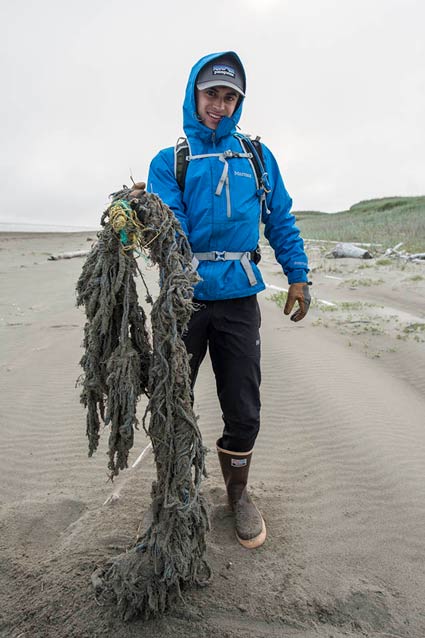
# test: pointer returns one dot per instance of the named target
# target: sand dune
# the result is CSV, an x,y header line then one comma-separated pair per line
x,y
339,467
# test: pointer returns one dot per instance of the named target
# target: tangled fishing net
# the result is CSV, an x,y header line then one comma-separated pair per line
x,y
119,364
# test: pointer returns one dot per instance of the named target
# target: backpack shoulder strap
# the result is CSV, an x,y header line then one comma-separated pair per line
x,y
181,161
254,146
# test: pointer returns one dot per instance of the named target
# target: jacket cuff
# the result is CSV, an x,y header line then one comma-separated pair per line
x,y
297,276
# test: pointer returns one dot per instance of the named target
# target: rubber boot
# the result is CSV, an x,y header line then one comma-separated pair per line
x,y
249,524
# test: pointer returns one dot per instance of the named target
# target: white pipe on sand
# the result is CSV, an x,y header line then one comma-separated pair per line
x,y
116,493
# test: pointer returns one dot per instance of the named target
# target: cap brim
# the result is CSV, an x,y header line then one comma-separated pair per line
x,y
209,85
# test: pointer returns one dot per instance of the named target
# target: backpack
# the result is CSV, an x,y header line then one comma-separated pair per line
x,y
252,146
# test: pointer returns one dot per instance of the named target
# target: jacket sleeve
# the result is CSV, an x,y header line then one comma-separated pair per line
x,y
162,182
279,225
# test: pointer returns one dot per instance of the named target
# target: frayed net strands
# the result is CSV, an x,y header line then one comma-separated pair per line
x,y
119,365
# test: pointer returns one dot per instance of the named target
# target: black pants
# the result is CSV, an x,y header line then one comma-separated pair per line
x,y
230,328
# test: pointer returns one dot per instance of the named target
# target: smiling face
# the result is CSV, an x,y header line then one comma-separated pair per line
x,y
215,103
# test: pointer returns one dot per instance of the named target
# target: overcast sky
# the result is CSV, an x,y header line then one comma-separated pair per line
x,y
92,89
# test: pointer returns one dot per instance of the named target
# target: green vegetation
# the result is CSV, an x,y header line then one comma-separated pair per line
x,y
414,327
356,305
325,308
279,298
386,221
361,282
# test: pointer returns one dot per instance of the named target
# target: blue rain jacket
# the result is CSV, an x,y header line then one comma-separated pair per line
x,y
229,221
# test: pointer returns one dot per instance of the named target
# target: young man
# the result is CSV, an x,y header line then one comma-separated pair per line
x,y
219,208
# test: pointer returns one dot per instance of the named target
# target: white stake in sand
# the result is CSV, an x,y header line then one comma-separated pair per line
x,y
116,493
141,455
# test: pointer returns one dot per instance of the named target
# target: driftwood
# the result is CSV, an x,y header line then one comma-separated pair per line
x,y
331,241
349,250
77,253
402,254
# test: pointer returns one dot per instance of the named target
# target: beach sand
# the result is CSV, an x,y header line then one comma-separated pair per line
x,y
338,469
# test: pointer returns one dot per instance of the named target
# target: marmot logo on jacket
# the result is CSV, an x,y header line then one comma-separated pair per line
x,y
241,174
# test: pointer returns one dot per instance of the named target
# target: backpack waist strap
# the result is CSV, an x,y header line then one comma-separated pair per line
x,y
223,255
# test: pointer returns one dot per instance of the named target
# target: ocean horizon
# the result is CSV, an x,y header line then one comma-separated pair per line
x,y
14,227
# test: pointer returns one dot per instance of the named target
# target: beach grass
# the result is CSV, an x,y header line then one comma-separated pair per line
x,y
387,221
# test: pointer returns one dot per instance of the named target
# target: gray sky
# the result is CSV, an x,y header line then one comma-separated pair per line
x,y
93,89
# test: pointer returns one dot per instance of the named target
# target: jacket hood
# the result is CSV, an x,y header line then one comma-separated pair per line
x,y
191,124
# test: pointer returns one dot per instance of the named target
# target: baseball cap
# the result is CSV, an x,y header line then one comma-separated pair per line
x,y
224,71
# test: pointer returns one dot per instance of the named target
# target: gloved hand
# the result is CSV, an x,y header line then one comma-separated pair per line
x,y
137,190
298,292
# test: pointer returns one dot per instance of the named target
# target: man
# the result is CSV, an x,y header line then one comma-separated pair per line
x,y
219,208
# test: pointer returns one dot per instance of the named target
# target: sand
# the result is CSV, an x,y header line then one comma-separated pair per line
x,y
339,467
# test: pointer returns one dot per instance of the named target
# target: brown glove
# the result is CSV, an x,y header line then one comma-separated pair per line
x,y
298,292
137,190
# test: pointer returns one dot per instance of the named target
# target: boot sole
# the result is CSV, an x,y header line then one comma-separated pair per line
x,y
253,543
